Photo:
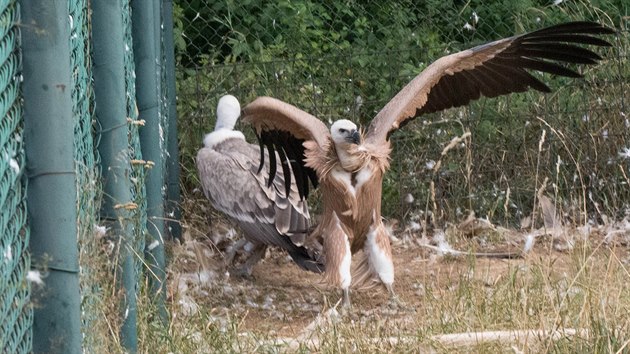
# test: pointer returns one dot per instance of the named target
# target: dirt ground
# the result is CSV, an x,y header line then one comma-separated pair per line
x,y
295,290
281,300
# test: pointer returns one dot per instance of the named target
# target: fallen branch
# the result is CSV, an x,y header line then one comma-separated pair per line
x,y
447,340
498,255
474,338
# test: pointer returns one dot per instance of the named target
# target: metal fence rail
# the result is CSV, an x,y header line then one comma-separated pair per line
x,y
346,60
16,314
59,130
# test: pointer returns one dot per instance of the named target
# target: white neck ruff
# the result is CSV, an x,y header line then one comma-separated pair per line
x,y
219,136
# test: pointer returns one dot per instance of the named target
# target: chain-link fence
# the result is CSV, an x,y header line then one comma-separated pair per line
x,y
16,314
347,59
71,295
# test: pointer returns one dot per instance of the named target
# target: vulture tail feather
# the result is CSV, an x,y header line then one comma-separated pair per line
x,y
286,171
262,153
272,161
303,258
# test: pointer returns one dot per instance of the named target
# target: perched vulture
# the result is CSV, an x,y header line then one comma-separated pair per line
x,y
269,214
348,166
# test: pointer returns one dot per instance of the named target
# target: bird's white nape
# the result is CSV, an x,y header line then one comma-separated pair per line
x,y
228,111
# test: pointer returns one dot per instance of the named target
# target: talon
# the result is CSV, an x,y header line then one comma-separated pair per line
x,y
232,250
245,271
395,300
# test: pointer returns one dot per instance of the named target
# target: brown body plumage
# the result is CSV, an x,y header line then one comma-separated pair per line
x,y
349,170
342,202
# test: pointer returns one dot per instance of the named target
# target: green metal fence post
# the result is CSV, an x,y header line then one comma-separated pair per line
x,y
110,108
146,29
51,173
173,197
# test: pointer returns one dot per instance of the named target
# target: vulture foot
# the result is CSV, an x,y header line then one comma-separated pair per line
x,y
245,271
232,250
395,301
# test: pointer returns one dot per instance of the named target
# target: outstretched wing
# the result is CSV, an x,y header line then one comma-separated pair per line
x,y
284,128
492,69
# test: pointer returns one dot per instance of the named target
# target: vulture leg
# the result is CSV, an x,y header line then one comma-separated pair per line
x,y
245,270
231,252
394,299
338,257
379,253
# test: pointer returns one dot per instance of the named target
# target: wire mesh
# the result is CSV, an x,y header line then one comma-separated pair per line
x,y
347,59
16,314
138,166
86,162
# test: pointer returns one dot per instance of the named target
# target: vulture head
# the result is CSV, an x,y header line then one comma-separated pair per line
x,y
346,138
345,132
228,111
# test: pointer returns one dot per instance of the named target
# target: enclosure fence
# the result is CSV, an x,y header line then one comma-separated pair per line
x,y
347,59
16,314
76,210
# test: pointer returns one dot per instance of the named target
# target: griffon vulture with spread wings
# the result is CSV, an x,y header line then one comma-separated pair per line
x,y
268,214
348,166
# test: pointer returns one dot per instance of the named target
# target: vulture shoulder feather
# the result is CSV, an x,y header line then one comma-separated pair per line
x,y
288,131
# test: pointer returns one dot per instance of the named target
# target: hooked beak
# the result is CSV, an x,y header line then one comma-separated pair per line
x,y
354,137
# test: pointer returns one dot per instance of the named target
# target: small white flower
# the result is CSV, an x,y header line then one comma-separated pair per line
x,y
557,2
625,153
429,165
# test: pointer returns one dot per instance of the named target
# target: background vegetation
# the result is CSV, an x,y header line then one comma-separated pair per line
x,y
345,59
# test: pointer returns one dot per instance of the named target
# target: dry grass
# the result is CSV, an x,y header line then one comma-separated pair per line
x,y
547,301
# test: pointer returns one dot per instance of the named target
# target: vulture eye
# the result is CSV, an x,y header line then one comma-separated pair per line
x,y
343,131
